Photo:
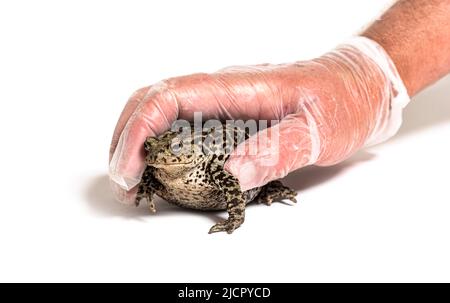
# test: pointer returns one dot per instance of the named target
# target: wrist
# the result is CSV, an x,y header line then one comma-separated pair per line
x,y
416,35
396,51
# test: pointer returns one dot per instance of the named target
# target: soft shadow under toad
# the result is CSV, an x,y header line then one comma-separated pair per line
x,y
99,196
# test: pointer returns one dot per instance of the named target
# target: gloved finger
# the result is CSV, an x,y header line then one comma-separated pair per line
x,y
243,94
122,195
274,152
150,118
128,110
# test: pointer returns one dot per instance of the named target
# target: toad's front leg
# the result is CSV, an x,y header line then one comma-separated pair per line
x,y
235,205
147,189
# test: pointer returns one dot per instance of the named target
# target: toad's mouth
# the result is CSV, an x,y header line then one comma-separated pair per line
x,y
162,165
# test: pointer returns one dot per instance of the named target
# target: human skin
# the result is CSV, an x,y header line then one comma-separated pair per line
x,y
415,34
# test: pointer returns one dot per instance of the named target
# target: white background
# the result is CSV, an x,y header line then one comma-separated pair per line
x,y
66,70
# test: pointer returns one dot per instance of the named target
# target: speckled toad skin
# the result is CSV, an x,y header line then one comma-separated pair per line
x,y
188,175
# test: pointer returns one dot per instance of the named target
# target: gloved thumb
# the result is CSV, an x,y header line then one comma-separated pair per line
x,y
273,152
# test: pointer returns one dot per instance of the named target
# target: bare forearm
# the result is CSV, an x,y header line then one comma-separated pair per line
x,y
416,34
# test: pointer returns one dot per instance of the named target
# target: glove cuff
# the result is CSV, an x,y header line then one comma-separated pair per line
x,y
397,89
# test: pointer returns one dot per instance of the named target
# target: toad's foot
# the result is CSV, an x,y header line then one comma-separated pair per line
x,y
151,205
235,204
228,225
276,191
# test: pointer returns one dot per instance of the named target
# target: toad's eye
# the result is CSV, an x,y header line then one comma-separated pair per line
x,y
176,146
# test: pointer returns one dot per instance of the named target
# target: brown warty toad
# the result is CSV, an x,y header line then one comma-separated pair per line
x,y
185,171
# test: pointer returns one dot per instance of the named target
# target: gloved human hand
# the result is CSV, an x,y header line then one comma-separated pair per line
x,y
328,108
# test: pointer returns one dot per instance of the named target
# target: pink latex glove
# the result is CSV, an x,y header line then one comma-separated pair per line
x,y
328,108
